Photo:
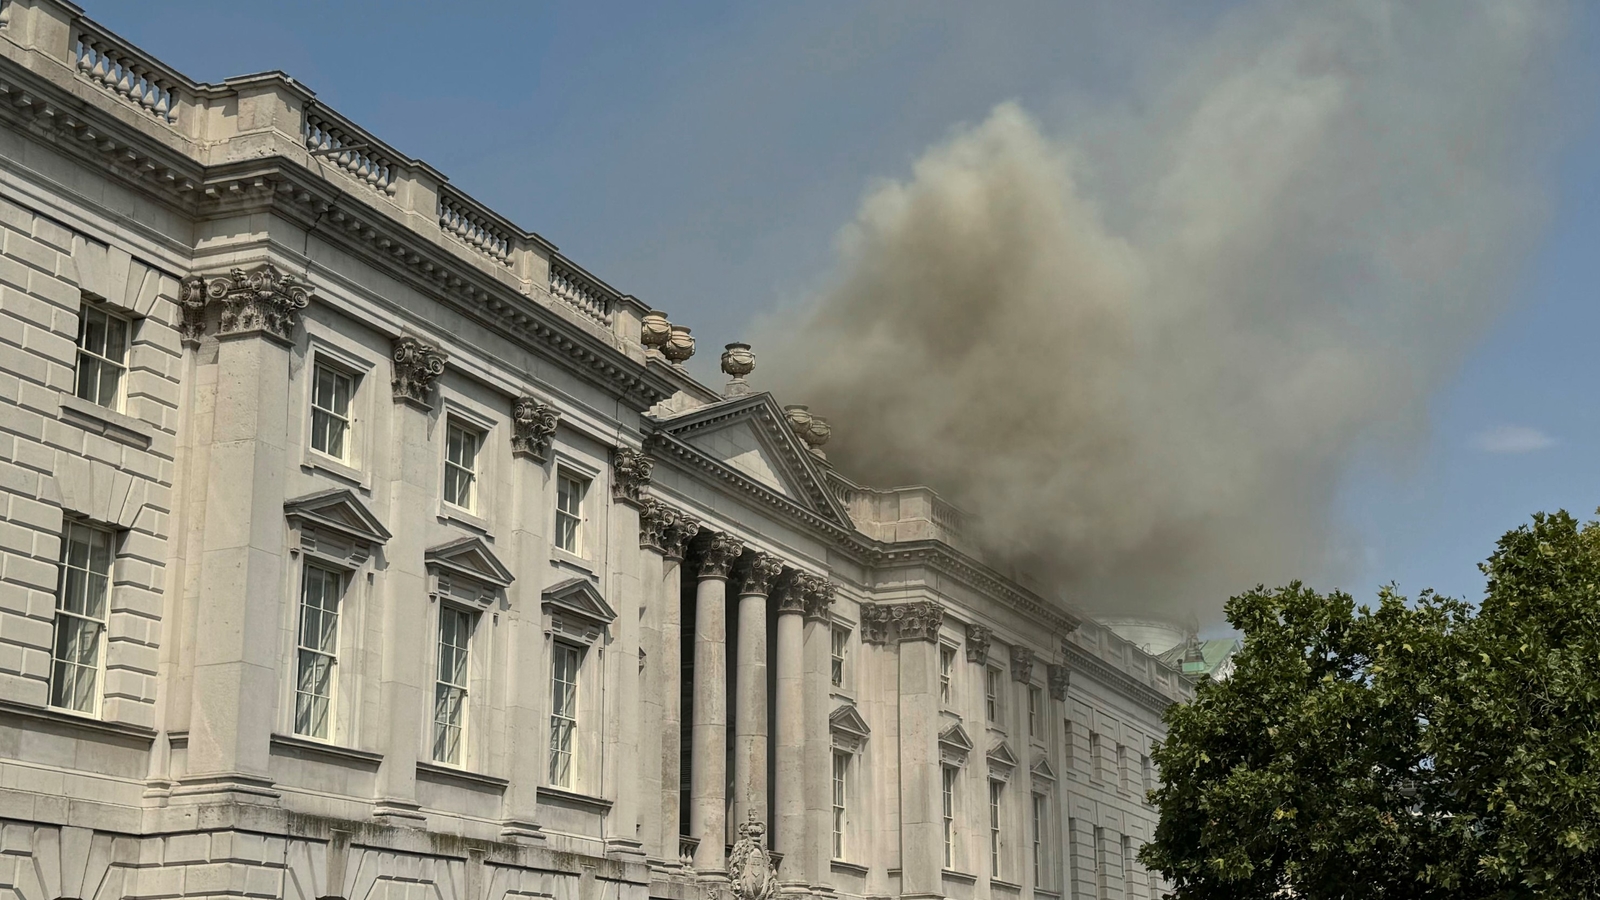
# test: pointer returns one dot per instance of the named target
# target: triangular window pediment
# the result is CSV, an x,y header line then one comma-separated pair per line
x,y
1042,771
579,598
846,719
1001,758
469,559
334,527
954,745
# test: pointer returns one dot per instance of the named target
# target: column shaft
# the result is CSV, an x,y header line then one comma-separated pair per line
x,y
790,737
671,674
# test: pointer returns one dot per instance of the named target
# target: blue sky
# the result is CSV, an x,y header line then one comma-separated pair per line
x,y
703,156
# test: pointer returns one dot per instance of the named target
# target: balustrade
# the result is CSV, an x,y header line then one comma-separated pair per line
x,y
459,217
580,293
350,151
136,80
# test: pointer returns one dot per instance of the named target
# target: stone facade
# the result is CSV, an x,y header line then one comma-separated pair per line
x,y
356,543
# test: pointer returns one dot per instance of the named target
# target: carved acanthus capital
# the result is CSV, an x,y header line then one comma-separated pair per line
x,y
918,620
1060,679
816,595
533,427
718,555
676,533
654,517
756,572
630,475
192,302
417,365
1021,664
875,623
785,590
978,637
262,301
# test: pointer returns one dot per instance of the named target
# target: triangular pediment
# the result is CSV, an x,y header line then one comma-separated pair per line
x,y
340,511
1042,770
955,737
750,438
579,597
1001,755
848,720
470,557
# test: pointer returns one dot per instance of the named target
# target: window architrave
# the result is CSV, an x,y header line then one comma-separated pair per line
x,y
322,350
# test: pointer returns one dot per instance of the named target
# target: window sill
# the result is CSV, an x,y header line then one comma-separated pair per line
x,y
1002,883
311,747
315,461
97,419
558,797
459,516
961,877
84,725
847,868
462,777
561,559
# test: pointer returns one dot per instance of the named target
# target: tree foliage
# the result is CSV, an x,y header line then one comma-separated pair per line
x,y
1412,749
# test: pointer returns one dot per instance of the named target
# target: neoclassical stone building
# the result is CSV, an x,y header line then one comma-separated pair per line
x,y
356,543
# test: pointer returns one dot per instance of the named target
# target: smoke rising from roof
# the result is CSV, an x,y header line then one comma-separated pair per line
x,y
1144,355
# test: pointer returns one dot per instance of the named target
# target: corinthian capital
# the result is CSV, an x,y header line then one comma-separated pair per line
x,y
261,301
533,427
1021,664
676,533
719,554
654,519
978,637
630,474
816,593
417,365
757,571
1060,680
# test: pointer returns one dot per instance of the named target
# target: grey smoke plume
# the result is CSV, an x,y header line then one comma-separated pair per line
x,y
1145,355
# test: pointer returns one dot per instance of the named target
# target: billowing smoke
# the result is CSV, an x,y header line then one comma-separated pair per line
x,y
1143,355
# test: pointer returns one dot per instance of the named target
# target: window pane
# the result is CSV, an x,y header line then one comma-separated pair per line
x,y
94,332
116,340
88,378
110,381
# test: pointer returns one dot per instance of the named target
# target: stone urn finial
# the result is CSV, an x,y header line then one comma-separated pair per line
x,y
679,346
654,330
737,362
817,435
799,420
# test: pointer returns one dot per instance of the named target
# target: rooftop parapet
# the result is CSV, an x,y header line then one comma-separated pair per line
x,y
270,115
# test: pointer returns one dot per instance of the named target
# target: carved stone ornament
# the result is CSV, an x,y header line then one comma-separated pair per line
x,y
654,329
756,573
192,303
786,591
533,428
816,594
719,554
263,301
1060,677
978,637
653,518
874,623
737,362
751,874
915,621
679,346
630,475
677,531
799,418
1021,664
417,365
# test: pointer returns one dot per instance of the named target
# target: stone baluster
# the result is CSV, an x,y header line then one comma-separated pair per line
x,y
754,576
709,773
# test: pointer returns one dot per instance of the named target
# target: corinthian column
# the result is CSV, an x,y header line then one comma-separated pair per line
x,y
709,774
790,787
676,530
817,745
755,575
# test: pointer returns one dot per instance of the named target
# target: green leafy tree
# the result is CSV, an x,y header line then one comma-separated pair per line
x,y
1411,750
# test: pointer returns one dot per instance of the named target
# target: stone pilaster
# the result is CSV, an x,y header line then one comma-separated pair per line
x,y
754,577
622,735
709,773
527,695
234,700
921,822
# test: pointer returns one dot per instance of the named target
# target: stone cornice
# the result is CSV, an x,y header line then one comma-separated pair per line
x,y
1104,672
